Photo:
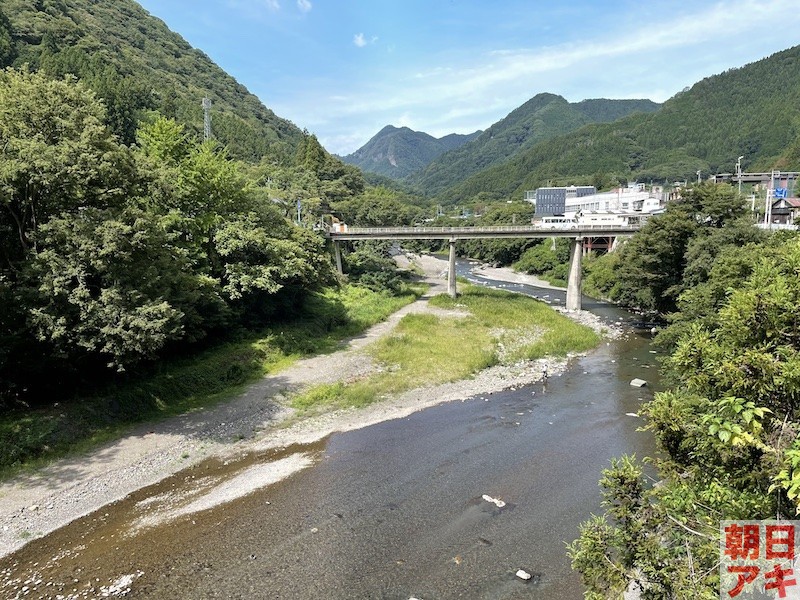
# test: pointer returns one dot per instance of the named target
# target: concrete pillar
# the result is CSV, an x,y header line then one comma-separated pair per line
x,y
574,278
451,271
337,252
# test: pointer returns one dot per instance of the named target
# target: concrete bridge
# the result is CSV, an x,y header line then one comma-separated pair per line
x,y
575,231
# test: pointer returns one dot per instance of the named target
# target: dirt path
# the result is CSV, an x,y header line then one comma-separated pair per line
x,y
34,505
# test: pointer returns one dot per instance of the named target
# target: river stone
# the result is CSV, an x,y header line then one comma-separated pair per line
x,y
638,382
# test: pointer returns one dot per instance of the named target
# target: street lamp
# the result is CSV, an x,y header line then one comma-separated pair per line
x,y
739,172
698,177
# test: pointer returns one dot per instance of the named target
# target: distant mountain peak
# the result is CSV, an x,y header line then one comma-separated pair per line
x,y
541,118
398,151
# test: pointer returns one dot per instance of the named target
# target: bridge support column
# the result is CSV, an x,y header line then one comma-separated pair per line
x,y
337,252
451,271
574,278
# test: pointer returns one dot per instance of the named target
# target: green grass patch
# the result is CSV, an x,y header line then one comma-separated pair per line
x,y
559,335
428,349
30,438
333,395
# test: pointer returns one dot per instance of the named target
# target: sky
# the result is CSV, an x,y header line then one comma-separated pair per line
x,y
344,69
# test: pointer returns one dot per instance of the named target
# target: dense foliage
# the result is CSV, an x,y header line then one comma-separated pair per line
x,y
134,63
111,255
728,428
728,433
674,251
548,259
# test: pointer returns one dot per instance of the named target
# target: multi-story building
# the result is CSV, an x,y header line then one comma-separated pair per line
x,y
553,200
572,200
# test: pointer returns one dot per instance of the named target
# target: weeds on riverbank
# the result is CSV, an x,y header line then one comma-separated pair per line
x,y
429,349
32,437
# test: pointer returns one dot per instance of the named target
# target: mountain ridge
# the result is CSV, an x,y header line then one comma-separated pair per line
x,y
396,152
543,117
135,63
705,127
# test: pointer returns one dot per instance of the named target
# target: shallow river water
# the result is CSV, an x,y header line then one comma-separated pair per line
x,y
396,510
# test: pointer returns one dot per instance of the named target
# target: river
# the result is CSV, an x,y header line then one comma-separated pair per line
x,y
395,510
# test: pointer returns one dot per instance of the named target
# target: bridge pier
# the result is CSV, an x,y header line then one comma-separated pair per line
x,y
574,278
451,271
337,252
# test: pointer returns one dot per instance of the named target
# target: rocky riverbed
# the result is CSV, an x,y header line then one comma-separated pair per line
x,y
36,504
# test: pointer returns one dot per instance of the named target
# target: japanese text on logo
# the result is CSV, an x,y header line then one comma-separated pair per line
x,y
757,559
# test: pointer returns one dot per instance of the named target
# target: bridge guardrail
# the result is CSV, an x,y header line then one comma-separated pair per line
x,y
490,229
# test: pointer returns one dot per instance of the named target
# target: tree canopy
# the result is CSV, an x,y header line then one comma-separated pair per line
x,y
675,250
728,432
115,255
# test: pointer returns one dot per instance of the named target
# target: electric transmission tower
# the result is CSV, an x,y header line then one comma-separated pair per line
x,y
206,119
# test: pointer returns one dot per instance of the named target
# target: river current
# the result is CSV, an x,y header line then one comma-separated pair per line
x,y
449,502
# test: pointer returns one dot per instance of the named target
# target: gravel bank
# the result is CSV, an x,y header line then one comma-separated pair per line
x,y
34,505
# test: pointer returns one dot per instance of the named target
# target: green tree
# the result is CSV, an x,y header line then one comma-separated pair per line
x,y
369,266
104,284
376,207
232,233
7,46
727,433
652,269
260,253
56,155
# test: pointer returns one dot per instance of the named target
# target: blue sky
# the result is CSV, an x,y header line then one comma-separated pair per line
x,y
343,69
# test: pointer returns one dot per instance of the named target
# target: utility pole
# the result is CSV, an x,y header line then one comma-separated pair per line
x,y
739,172
768,207
206,119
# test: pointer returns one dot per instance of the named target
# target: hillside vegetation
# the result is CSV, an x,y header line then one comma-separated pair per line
x,y
543,117
126,241
134,63
727,430
396,152
752,111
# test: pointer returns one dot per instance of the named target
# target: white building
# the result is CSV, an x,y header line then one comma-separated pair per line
x,y
569,201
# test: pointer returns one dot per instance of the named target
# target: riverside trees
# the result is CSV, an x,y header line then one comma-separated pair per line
x,y
728,429
674,251
111,255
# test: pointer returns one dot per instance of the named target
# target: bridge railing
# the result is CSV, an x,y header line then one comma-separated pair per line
x,y
489,229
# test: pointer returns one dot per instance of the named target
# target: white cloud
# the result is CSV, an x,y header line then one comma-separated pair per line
x,y
447,95
304,5
360,40
273,5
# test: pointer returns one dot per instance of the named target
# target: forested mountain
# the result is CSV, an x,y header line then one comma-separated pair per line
x,y
135,63
397,152
751,111
543,117
603,110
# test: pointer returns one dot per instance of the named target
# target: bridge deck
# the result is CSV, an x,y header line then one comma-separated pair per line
x,y
466,233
